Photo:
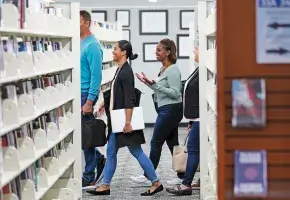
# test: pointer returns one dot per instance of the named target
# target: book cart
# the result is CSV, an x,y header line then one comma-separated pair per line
x,y
236,59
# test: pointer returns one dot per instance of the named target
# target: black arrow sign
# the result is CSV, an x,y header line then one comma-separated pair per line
x,y
280,51
277,25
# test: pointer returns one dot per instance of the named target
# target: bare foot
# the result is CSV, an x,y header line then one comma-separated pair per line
x,y
154,186
102,188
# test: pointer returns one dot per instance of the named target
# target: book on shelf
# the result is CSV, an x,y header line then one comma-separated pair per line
x,y
250,178
249,103
21,6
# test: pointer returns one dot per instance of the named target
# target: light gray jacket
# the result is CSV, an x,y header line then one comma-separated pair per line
x,y
168,87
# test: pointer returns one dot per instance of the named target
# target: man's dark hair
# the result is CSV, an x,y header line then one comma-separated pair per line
x,y
86,16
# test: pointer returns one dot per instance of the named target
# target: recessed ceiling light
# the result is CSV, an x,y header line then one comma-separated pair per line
x,y
153,1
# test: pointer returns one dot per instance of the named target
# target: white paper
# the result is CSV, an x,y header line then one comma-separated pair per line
x,y
123,17
150,50
118,119
185,46
187,18
273,31
153,22
98,17
126,35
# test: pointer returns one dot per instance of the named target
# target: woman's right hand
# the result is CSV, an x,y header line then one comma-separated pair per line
x,y
140,78
101,109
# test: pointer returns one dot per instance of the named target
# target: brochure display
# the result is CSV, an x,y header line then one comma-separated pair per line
x,y
253,100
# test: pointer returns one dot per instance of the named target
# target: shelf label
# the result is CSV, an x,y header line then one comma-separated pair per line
x,y
272,31
250,176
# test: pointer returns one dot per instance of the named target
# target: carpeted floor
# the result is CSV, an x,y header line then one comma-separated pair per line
x,y
122,188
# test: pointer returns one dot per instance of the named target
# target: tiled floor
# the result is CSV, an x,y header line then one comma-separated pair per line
x,y
122,188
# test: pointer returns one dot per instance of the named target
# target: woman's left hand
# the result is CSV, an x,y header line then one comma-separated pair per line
x,y
127,128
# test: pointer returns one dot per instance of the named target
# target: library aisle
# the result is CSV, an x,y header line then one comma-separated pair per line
x,y
123,188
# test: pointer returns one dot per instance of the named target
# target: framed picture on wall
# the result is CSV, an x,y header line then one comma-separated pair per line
x,y
126,34
149,52
123,17
185,18
153,22
99,15
184,46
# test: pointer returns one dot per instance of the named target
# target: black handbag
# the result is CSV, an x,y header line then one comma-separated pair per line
x,y
93,133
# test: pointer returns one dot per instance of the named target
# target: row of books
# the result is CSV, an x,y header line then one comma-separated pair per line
x,y
13,91
108,65
27,130
105,25
15,45
36,6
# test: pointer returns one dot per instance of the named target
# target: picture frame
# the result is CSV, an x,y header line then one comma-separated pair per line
x,y
160,19
149,49
99,15
126,34
123,17
185,18
184,46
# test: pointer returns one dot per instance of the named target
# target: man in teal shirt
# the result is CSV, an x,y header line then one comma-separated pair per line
x,y
91,78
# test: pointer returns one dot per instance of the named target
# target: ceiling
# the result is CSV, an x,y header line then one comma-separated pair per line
x,y
136,3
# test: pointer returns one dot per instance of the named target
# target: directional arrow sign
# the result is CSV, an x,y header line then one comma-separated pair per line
x,y
280,51
277,25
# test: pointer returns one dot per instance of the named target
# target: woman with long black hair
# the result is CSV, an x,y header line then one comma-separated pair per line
x,y
123,97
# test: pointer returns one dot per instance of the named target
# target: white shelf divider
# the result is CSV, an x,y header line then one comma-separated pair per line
x,y
208,110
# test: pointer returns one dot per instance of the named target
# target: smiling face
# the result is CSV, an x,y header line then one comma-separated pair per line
x,y
161,53
118,54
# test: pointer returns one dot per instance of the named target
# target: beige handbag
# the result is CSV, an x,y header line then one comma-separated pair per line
x,y
179,158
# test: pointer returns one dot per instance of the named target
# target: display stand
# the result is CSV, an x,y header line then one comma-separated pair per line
x,y
207,99
236,58
50,180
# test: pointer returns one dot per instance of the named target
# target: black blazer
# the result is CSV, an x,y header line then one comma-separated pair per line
x,y
191,96
125,96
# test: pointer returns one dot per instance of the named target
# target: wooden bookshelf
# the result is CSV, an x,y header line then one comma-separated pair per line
x,y
236,58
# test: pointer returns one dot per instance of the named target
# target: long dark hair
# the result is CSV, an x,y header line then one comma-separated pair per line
x,y
125,45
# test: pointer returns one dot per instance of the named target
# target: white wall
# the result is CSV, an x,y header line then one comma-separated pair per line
x,y
150,69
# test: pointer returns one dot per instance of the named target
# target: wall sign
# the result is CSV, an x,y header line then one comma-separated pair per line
x,y
273,31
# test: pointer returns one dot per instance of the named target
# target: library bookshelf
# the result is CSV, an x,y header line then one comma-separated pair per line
x,y
207,99
40,121
40,126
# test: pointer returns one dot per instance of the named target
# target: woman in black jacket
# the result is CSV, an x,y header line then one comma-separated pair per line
x,y
191,112
123,97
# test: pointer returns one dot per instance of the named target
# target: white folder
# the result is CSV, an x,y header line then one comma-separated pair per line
x,y
118,119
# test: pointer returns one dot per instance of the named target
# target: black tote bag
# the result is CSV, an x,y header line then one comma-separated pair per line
x,y
93,133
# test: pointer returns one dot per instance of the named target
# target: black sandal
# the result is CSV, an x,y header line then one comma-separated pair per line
x,y
179,191
99,193
148,193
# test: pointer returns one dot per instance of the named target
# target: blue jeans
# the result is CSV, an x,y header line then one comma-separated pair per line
x,y
136,151
193,154
92,155
165,130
